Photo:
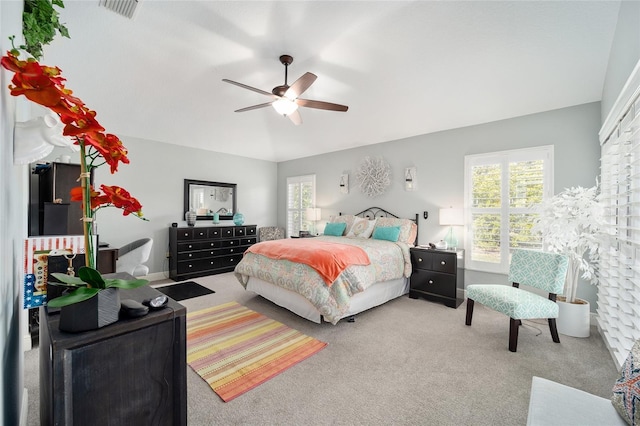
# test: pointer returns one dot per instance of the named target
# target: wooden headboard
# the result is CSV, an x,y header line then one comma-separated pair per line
x,y
376,212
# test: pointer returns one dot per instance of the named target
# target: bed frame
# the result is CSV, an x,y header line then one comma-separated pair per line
x,y
375,295
376,212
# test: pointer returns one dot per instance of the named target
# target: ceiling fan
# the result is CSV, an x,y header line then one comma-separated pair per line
x,y
285,98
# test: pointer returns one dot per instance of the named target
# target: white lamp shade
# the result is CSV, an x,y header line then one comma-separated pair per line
x,y
314,213
452,217
284,106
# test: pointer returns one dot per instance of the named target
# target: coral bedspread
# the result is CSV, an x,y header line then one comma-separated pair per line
x,y
388,261
329,259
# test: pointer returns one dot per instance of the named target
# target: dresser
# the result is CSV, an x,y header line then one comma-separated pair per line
x,y
206,250
438,275
131,372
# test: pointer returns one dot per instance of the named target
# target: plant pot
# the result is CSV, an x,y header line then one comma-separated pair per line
x,y
100,310
574,319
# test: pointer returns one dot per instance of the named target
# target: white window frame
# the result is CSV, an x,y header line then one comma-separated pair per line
x,y
299,180
503,158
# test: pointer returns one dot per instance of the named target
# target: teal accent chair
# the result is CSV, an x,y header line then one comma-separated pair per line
x,y
545,271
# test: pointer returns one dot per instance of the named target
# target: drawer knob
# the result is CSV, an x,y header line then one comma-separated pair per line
x,y
190,255
231,251
231,243
430,281
443,263
419,259
190,246
190,266
211,262
212,252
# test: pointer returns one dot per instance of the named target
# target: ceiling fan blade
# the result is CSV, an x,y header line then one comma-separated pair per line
x,y
244,86
254,107
295,117
321,105
300,85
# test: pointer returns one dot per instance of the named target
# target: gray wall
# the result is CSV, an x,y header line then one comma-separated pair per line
x,y
12,233
625,53
439,159
155,176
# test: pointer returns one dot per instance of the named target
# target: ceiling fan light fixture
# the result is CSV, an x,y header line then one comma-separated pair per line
x,y
285,106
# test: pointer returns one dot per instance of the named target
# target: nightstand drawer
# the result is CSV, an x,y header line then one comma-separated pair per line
x,y
421,259
434,283
442,262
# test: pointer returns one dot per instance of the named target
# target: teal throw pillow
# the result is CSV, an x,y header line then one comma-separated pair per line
x,y
335,229
389,233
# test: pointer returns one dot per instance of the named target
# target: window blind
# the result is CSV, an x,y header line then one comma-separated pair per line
x,y
619,289
300,195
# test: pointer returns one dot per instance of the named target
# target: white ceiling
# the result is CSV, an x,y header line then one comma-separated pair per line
x,y
403,68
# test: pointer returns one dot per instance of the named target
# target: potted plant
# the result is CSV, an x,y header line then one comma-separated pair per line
x,y
572,223
94,301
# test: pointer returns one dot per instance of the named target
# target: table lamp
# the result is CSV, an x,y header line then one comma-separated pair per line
x,y
451,217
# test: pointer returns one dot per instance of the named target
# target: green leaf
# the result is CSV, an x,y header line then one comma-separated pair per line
x,y
126,283
91,277
68,280
78,295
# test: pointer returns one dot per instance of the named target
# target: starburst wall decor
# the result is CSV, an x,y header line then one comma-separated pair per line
x,y
373,176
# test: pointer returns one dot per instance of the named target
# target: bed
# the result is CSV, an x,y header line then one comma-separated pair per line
x,y
317,295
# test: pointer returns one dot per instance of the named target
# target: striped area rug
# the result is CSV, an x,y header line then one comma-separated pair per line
x,y
235,349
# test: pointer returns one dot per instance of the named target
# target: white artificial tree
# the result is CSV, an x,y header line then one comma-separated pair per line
x,y
573,223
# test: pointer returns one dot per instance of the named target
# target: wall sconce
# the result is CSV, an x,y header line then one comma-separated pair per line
x,y
344,183
410,179
451,217
314,214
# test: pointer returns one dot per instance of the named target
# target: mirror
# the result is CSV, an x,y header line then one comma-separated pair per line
x,y
206,198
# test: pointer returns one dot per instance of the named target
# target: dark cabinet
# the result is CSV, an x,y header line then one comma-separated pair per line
x,y
51,212
132,372
437,275
207,250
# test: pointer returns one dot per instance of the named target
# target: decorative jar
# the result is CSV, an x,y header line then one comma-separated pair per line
x,y
238,219
190,216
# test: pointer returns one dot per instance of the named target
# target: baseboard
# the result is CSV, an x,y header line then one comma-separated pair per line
x,y
156,276
25,407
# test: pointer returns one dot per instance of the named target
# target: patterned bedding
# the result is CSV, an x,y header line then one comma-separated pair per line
x,y
389,260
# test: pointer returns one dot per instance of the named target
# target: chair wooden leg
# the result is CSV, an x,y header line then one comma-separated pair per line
x,y
554,330
469,311
514,325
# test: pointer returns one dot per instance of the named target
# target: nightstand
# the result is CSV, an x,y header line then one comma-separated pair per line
x,y
438,275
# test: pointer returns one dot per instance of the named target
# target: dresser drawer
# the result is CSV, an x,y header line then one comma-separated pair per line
x,y
197,265
214,232
239,232
200,234
231,243
434,283
248,241
184,234
226,232
250,231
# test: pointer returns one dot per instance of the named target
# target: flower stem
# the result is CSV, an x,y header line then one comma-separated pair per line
x,y
87,213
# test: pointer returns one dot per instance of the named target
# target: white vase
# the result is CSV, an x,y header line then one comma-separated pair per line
x,y
574,318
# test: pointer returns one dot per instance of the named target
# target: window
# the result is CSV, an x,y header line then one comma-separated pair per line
x,y
619,268
301,194
500,189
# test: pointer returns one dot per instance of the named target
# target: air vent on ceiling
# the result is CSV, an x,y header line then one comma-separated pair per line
x,y
125,8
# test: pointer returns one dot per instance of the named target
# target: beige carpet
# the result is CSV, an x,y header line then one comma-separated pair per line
x,y
406,362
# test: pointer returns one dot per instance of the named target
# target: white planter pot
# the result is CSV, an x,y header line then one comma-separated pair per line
x,y
574,318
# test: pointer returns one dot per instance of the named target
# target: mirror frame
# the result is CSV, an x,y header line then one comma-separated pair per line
x,y
189,182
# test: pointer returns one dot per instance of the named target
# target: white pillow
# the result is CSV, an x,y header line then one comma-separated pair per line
x,y
361,228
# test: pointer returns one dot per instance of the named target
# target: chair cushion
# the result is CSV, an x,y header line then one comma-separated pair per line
x,y
626,391
512,301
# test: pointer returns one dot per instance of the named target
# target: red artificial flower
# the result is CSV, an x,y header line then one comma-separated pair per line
x,y
121,199
109,146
